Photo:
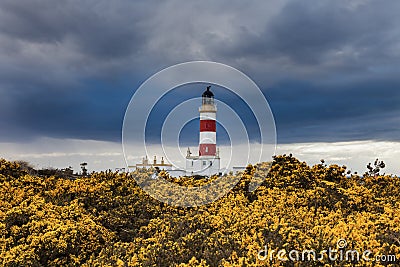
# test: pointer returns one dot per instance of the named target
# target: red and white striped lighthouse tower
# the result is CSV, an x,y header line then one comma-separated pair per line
x,y
207,163
208,134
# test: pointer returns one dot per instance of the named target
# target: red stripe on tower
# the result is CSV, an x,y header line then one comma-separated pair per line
x,y
207,149
207,126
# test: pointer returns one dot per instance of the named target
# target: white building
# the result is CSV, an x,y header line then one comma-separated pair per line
x,y
146,164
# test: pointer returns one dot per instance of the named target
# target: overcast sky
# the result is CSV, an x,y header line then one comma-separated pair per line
x,y
330,70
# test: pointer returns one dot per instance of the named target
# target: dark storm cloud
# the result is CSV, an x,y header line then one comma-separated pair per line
x,y
361,111
318,40
94,28
330,69
62,67
308,33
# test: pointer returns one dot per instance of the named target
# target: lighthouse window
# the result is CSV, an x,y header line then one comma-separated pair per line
x,y
204,163
206,149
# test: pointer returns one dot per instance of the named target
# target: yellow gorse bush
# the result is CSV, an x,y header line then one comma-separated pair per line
x,y
108,220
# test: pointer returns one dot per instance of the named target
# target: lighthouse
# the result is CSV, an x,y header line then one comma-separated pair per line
x,y
207,162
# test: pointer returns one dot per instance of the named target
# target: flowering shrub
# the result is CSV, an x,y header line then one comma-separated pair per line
x,y
106,219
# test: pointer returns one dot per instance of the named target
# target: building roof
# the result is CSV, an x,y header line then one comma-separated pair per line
x,y
208,93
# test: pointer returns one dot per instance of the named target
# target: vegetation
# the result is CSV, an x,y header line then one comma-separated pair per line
x,y
106,219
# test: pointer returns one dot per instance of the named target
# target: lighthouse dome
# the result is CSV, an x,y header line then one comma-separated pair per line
x,y
208,93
